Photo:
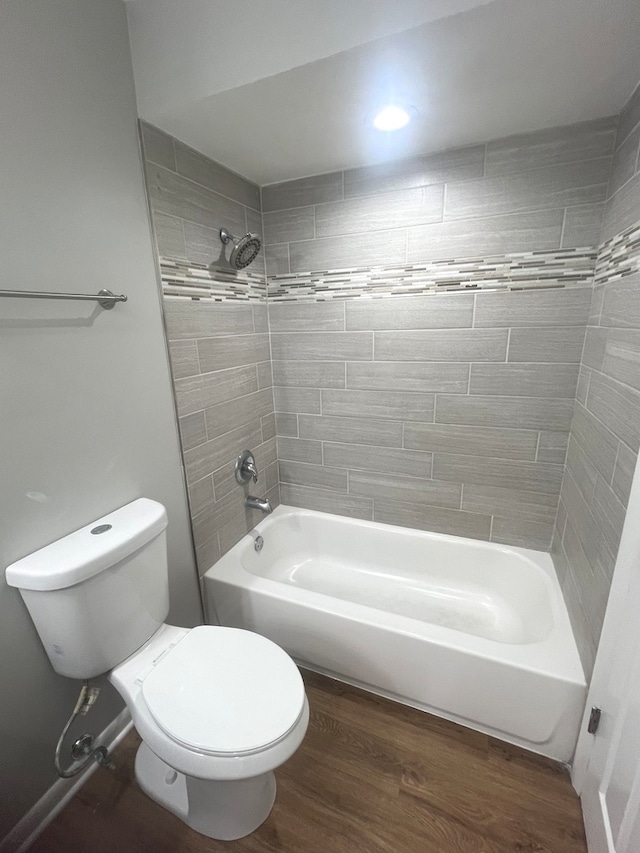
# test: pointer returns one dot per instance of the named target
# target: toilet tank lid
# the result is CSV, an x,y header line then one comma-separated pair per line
x,y
88,551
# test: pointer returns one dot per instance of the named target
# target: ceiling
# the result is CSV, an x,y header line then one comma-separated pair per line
x,y
281,89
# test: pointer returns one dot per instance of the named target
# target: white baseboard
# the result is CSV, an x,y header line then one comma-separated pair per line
x,y
25,832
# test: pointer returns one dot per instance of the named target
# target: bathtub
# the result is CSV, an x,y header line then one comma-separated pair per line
x,y
471,631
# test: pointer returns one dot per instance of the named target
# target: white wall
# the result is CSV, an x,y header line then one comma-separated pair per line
x,y
86,413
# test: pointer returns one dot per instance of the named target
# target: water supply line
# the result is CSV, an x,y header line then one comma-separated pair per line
x,y
83,746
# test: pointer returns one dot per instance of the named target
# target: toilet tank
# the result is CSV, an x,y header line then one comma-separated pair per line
x,y
98,594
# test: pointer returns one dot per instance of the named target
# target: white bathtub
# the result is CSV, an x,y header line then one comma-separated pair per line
x,y
472,631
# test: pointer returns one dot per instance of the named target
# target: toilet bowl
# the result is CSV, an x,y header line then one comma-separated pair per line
x,y
218,709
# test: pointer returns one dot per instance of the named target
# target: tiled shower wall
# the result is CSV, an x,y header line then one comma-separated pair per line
x,y
219,350
447,411
605,433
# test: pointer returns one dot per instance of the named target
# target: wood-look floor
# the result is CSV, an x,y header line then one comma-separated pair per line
x,y
372,776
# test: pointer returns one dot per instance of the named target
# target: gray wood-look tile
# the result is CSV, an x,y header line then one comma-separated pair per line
x,y
522,532
157,146
201,496
581,524
625,161
260,317
435,311
396,405
306,317
195,166
524,380
265,375
551,147
391,487
287,424
184,358
597,441
512,503
566,307
207,554
199,392
356,250
623,209
268,424
305,400
596,304
480,238
516,412
441,345
506,473
211,455
621,356
623,473
169,236
582,226
452,378
551,187
609,514
311,374
322,346
382,433
401,208
177,196
192,430
203,245
581,469
283,226
220,353
436,519
302,192
455,164
582,388
300,450
325,500
546,344
552,447
276,257
186,318
387,460
617,406
472,440
595,343
316,476
621,301
234,413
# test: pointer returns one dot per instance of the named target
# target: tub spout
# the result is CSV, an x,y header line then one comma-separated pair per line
x,y
263,504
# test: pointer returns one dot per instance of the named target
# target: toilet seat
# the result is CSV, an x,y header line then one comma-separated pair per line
x,y
224,691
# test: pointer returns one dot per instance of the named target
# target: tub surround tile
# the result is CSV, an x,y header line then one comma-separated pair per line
x,y
442,345
393,488
202,170
532,413
546,344
302,192
276,258
315,476
301,450
309,374
193,430
396,405
526,380
623,472
381,433
322,346
444,311
472,440
169,234
552,447
530,476
157,146
525,533
568,307
326,500
196,393
289,225
287,424
184,358
443,377
380,460
582,225
303,317
436,519
298,400
232,351
510,503
235,413
193,319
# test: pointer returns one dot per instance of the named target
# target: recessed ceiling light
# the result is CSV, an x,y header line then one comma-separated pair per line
x,y
392,117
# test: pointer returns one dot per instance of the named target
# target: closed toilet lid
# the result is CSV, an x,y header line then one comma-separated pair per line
x,y
225,690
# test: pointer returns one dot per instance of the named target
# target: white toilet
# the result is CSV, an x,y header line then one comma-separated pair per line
x,y
218,709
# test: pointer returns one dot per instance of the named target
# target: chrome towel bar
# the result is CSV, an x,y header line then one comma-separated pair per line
x,y
106,298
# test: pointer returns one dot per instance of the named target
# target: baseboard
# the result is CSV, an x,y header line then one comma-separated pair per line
x,y
25,832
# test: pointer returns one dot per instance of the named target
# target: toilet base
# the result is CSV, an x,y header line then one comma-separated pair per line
x,y
222,810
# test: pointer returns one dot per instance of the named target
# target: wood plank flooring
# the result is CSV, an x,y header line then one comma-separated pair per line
x,y
371,776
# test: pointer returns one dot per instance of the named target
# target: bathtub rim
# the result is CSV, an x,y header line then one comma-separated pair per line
x,y
556,655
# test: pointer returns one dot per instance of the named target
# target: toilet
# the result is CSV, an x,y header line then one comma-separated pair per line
x,y
218,709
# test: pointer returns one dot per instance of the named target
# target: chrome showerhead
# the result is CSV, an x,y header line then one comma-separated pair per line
x,y
245,249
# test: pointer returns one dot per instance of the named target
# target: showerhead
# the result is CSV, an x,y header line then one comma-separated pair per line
x,y
245,249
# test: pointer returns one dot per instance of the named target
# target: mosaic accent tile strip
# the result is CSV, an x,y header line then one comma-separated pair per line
x,y
619,256
197,281
516,271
